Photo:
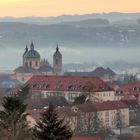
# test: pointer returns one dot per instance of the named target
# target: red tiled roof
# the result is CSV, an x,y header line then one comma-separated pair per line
x,y
40,103
108,105
35,113
131,88
68,111
62,112
67,83
85,138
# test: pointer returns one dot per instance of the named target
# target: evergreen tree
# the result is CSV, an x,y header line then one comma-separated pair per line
x,y
23,92
50,127
80,100
13,124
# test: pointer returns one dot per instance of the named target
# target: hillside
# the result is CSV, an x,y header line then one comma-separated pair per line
x,y
18,34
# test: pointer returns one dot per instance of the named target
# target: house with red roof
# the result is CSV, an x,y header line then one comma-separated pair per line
x,y
107,114
69,87
85,138
128,91
82,118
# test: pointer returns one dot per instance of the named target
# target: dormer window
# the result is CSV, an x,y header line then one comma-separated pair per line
x,y
134,88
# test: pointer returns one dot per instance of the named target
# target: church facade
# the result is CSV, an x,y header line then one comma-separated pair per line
x,y
32,64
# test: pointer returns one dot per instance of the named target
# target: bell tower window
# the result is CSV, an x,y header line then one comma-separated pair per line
x,y
56,61
36,63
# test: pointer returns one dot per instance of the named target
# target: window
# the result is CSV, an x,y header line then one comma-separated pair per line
x,y
26,64
107,124
56,61
106,114
106,120
36,63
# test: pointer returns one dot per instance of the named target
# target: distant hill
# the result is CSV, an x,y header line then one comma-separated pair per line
x,y
18,34
113,16
88,23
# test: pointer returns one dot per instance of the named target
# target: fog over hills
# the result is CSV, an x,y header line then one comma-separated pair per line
x,y
82,38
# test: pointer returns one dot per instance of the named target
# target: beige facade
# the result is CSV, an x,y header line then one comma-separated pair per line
x,y
33,63
82,118
23,77
69,95
109,117
104,95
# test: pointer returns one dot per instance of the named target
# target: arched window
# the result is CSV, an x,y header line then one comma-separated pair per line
x,y
56,61
36,63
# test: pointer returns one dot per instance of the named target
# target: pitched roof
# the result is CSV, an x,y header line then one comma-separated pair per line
x,y
108,105
131,88
98,72
42,69
85,138
63,112
22,69
43,102
67,83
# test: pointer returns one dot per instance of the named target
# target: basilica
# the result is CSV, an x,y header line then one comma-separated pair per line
x,y
33,64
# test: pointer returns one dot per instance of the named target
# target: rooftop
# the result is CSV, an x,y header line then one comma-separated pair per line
x,y
131,88
68,83
108,105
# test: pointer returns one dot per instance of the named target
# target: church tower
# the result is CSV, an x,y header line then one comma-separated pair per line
x,y
57,61
31,58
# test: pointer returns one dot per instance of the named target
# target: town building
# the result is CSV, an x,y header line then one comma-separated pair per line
x,y
105,74
34,65
84,118
108,114
70,87
131,90
134,111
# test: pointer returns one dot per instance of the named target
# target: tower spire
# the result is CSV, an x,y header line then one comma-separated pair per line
x,y
26,48
57,48
32,45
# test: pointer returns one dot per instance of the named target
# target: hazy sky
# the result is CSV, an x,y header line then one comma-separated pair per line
x,y
22,8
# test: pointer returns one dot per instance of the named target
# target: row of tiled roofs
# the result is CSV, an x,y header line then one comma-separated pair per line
x,y
89,107
78,83
68,83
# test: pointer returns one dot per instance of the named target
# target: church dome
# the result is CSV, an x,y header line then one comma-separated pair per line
x,y
32,54
57,53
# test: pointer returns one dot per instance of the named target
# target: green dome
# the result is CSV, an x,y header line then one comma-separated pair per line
x,y
32,54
